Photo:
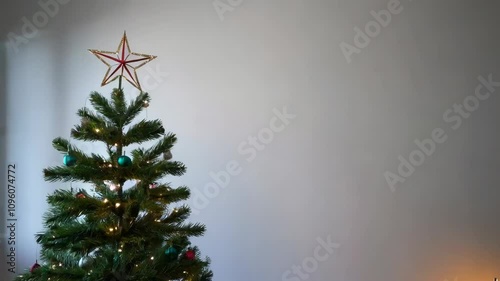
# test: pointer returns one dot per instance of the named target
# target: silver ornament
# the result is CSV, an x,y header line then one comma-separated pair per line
x,y
167,155
86,262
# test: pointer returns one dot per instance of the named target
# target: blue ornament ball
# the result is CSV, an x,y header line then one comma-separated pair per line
x,y
124,161
171,251
69,160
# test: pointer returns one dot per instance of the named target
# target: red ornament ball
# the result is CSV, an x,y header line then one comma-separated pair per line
x,y
190,255
34,267
80,195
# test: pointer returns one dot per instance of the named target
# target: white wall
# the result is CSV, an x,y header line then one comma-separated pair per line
x,y
323,175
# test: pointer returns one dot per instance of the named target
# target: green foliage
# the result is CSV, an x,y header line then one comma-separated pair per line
x,y
121,234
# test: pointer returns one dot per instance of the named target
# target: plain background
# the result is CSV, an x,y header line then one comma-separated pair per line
x,y
323,176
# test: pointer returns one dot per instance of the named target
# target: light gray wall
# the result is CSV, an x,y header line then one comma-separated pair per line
x,y
216,82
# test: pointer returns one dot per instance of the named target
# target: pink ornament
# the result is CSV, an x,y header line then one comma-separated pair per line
x,y
190,255
34,267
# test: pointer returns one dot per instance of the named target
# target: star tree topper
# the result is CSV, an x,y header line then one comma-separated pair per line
x,y
122,63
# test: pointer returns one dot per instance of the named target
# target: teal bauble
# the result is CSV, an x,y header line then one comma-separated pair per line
x,y
171,251
69,160
124,161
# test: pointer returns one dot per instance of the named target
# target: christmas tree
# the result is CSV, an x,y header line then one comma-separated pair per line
x,y
114,233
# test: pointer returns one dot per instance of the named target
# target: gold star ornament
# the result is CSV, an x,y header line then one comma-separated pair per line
x,y
122,63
